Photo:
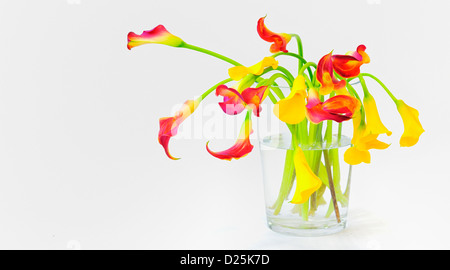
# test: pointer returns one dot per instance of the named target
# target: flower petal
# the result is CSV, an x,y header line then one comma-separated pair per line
x,y
355,156
280,41
362,141
338,108
253,97
342,104
168,126
374,124
326,77
158,35
412,126
233,102
291,109
242,146
307,181
348,66
238,72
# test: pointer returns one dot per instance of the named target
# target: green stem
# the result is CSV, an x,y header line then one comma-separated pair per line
x,y
287,73
380,83
303,60
329,133
329,130
307,65
286,183
299,44
275,76
353,91
209,91
272,98
217,55
272,85
309,82
305,210
331,185
364,86
300,50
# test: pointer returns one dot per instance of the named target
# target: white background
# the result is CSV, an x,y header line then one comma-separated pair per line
x,y
80,165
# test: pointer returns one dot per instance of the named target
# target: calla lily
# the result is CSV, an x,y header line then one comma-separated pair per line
x,y
291,109
326,77
235,102
363,140
360,151
242,147
238,72
348,66
338,108
168,126
374,124
158,35
307,181
412,127
280,41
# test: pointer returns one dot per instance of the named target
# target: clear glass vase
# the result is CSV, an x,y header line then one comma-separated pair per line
x,y
325,211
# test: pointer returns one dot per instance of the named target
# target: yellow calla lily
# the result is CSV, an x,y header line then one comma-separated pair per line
x,y
354,156
238,72
291,109
359,152
374,124
412,127
307,181
363,140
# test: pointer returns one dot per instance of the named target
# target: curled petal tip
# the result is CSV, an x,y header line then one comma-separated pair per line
x,y
279,41
241,147
164,141
158,35
168,126
412,127
239,150
348,65
326,76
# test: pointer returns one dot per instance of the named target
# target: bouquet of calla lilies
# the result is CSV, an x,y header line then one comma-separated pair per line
x,y
319,94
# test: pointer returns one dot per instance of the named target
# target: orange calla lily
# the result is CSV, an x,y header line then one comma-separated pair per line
x,y
168,126
280,41
348,66
242,146
158,35
326,77
235,102
338,108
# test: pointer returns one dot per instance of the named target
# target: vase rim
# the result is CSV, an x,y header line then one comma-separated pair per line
x,y
283,141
